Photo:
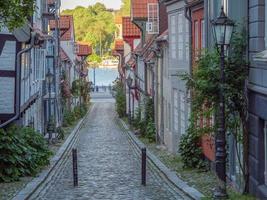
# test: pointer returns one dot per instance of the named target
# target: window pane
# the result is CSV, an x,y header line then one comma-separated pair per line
x,y
203,35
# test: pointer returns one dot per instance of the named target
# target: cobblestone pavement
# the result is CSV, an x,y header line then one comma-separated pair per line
x,y
108,166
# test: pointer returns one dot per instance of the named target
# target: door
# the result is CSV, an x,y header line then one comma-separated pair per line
x,y
198,32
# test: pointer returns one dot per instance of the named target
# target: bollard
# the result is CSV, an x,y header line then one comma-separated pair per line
x,y
143,166
75,167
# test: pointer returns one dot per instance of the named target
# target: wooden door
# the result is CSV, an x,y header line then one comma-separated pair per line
x,y
198,32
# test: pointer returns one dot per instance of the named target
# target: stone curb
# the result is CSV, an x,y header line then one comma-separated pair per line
x,y
168,174
33,186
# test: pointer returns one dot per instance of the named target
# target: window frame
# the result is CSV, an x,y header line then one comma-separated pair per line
x,y
153,17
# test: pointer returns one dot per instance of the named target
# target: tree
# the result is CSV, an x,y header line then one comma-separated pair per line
x,y
125,8
94,25
14,13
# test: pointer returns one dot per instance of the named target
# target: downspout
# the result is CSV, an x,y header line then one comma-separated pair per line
x,y
161,99
18,79
188,17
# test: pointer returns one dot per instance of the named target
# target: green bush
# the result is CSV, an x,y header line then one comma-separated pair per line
x,y
22,153
190,149
60,133
69,118
120,98
150,131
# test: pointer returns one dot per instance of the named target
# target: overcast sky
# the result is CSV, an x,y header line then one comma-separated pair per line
x,y
69,4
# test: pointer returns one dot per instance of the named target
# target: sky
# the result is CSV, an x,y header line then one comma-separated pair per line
x,y
69,4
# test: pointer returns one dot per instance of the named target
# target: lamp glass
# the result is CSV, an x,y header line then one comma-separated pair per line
x,y
129,81
49,77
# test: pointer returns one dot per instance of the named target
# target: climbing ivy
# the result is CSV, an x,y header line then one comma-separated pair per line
x,y
204,84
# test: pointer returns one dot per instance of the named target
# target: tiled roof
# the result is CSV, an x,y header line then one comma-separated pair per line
x,y
63,55
64,22
139,8
129,29
118,19
84,50
163,36
65,25
119,45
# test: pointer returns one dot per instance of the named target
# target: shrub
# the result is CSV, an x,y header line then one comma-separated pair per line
x,y
69,118
190,149
60,133
120,98
22,153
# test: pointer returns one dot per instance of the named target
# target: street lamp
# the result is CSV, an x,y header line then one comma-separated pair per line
x,y
50,126
222,29
129,81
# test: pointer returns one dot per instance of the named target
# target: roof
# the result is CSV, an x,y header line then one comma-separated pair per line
x,y
119,45
139,8
118,19
84,50
129,29
163,37
65,25
63,55
64,22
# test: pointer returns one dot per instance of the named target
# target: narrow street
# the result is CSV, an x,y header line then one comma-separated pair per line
x,y
108,166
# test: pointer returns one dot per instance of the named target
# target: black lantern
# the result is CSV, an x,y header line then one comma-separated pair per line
x,y
49,77
129,81
222,29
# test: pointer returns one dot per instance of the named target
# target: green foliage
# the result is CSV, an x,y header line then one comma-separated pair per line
x,y
95,25
70,117
205,86
60,133
94,60
14,13
125,8
190,149
120,98
22,153
146,125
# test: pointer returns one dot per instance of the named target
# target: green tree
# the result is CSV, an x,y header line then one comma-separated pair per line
x,y
94,25
125,8
14,13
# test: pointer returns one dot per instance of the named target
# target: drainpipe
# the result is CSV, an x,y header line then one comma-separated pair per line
x,y
18,78
187,13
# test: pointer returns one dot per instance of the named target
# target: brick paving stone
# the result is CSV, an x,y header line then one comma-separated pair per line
x,y
108,166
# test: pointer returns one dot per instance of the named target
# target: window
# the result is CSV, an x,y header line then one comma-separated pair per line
x,y
39,64
181,38
196,35
203,33
182,112
186,40
176,110
173,40
169,115
265,152
153,18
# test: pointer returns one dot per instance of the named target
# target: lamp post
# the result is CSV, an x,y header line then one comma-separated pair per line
x,y
50,126
222,29
129,83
